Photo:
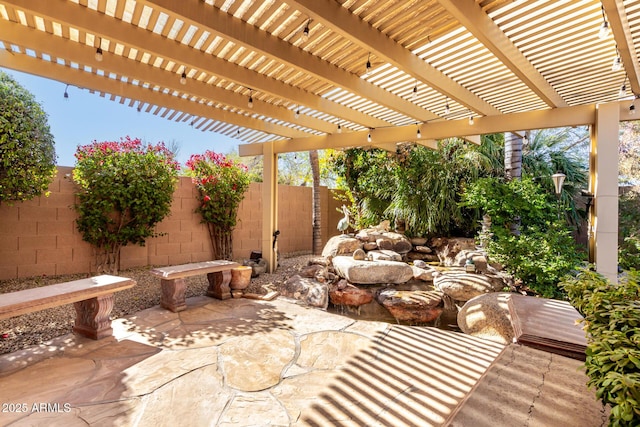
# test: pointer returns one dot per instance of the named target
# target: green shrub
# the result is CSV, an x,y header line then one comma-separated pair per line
x,y
125,189
612,322
27,154
543,252
628,234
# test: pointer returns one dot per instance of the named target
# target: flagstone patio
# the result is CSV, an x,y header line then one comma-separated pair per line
x,y
244,362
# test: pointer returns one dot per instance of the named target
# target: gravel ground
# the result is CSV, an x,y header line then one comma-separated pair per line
x,y
37,328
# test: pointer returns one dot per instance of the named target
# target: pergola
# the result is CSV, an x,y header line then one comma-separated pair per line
x,y
297,75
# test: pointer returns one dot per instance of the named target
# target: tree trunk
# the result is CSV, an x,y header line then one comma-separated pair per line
x,y
316,216
513,168
221,244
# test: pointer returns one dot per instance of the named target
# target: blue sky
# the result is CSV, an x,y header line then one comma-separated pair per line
x,y
84,117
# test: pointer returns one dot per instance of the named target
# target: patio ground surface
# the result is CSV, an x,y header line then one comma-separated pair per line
x,y
243,362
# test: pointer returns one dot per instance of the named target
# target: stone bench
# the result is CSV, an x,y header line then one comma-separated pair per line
x,y
174,286
91,297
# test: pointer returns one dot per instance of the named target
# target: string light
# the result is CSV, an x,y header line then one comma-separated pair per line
x,y
414,94
418,133
369,136
339,128
305,32
368,66
447,110
99,51
617,63
250,103
66,94
297,113
623,91
632,109
470,120
603,33
183,76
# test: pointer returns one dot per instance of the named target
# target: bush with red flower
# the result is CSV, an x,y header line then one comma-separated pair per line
x,y
125,190
221,183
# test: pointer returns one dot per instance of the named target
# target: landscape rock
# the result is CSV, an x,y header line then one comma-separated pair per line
x,y
385,255
369,246
372,272
487,316
306,290
418,241
359,254
462,286
351,296
425,274
423,249
412,306
258,266
341,245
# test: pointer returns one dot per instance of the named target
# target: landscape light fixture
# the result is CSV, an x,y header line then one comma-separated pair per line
x,y
183,76
558,181
603,33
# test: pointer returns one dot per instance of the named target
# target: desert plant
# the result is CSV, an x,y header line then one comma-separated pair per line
x,y
221,183
125,189
27,153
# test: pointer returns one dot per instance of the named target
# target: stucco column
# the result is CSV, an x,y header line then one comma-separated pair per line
x,y
269,204
603,183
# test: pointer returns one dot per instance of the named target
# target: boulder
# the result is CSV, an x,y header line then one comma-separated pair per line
x,y
412,306
359,254
385,255
306,290
372,272
418,241
423,273
312,271
462,286
487,316
258,266
350,295
384,243
341,245
423,249
369,246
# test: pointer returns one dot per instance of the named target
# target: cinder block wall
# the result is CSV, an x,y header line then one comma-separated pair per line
x,y
39,237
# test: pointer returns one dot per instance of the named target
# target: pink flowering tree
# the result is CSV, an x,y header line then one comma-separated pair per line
x,y
125,188
221,183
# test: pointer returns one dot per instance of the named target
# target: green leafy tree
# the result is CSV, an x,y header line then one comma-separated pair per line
x,y
27,153
544,251
125,189
221,184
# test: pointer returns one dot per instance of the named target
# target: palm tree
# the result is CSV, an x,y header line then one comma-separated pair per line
x,y
316,216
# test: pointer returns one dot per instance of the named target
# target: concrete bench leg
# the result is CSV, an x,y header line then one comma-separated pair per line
x,y
92,317
219,284
173,294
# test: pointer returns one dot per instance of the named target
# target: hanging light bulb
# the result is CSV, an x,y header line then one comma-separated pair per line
x,y
183,76
632,108
369,137
418,133
297,113
603,33
66,94
447,110
414,94
98,55
305,32
368,66
250,103
623,91
471,120
617,64
339,128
